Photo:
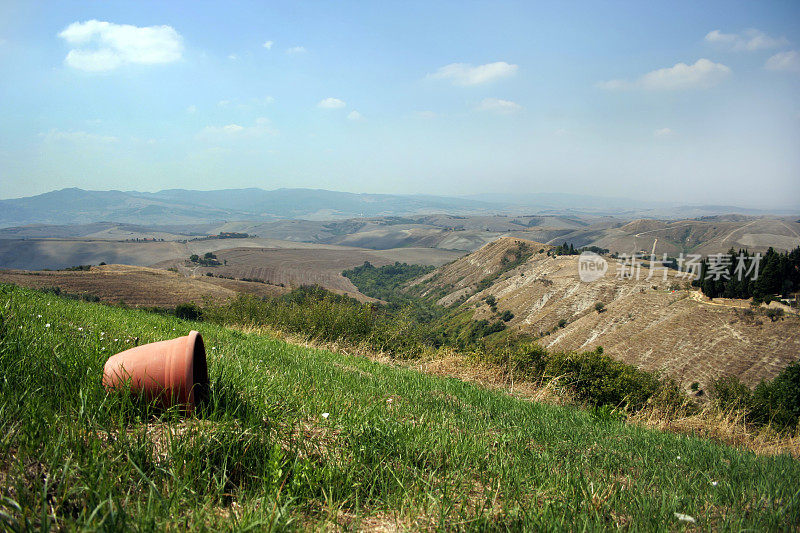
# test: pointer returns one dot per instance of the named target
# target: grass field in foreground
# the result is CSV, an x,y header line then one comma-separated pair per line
x,y
296,438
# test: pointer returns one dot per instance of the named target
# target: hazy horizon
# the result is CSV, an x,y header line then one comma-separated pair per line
x,y
676,103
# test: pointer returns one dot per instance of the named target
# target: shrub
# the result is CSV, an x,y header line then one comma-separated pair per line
x,y
562,322
774,314
599,307
776,402
188,311
485,283
597,379
78,268
528,359
506,316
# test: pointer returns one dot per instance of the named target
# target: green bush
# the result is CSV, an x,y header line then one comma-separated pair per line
x,y
529,359
188,311
776,402
597,379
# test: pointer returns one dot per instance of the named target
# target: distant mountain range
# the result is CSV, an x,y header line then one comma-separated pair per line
x,y
180,206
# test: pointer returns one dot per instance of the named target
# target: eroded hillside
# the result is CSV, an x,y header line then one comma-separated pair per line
x,y
652,322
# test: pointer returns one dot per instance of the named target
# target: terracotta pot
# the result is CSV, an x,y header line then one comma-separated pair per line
x,y
170,372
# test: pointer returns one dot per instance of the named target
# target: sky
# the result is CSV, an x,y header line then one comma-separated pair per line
x,y
686,102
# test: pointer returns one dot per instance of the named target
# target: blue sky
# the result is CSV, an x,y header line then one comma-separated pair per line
x,y
676,101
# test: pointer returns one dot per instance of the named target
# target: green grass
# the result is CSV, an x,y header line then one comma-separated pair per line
x,y
396,445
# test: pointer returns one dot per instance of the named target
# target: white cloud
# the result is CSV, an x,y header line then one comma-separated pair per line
x,y
789,61
224,103
663,132
231,128
331,103
296,50
233,57
191,109
702,75
268,45
103,46
236,131
750,40
80,137
466,74
496,105
426,114
355,115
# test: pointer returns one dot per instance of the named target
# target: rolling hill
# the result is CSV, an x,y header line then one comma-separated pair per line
x,y
138,286
178,206
655,324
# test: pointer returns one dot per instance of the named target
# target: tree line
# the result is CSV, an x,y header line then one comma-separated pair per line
x,y
747,276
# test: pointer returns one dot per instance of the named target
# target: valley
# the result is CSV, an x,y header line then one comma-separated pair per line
x,y
654,322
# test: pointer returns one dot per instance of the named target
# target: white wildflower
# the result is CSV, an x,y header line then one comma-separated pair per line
x,y
325,415
685,518
39,316
80,329
389,400
47,325
714,483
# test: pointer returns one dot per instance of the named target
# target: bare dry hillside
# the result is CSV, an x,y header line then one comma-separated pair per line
x,y
138,286
653,323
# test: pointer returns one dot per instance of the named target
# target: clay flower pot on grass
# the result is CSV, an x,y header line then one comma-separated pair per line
x,y
172,372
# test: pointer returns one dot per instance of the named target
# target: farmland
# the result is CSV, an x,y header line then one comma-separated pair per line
x,y
138,286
